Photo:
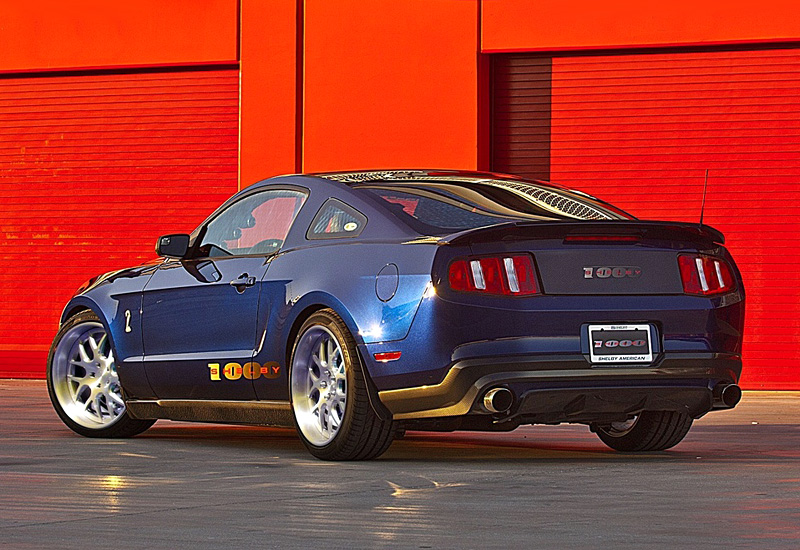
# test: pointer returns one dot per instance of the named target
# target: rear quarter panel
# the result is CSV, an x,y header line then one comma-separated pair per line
x,y
341,276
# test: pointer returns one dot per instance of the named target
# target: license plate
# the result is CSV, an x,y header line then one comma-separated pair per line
x,y
620,344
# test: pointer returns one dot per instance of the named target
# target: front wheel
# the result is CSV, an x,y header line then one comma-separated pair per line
x,y
648,431
83,383
331,407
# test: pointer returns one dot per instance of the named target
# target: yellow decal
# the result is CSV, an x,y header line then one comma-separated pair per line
x,y
251,371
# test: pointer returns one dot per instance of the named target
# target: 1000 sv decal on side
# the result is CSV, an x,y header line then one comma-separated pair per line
x,y
251,371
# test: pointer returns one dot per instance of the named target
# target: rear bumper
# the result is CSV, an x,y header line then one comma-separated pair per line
x,y
563,388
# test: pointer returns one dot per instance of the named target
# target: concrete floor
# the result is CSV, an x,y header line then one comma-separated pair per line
x,y
733,483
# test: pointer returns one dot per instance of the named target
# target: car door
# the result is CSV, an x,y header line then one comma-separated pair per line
x,y
199,314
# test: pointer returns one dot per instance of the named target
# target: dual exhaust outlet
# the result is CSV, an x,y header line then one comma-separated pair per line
x,y
726,396
500,400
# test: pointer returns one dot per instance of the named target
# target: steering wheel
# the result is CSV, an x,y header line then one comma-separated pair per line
x,y
267,246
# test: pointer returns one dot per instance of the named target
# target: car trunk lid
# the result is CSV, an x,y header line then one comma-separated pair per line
x,y
597,257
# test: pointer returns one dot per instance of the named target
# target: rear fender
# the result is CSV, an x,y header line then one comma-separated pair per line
x,y
321,300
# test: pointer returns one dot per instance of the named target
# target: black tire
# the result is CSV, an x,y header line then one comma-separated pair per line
x,y
66,394
361,435
650,431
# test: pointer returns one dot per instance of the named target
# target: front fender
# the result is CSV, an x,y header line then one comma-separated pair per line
x,y
81,303
116,299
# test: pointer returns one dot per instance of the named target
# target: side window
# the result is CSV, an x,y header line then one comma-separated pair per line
x,y
256,224
335,220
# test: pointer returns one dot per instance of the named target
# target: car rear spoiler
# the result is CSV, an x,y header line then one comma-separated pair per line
x,y
625,229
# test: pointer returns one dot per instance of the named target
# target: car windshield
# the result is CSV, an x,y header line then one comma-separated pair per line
x,y
441,207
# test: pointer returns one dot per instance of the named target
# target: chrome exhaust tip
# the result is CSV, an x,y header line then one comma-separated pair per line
x,y
498,400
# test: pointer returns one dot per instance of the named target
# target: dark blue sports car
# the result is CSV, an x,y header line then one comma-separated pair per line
x,y
357,305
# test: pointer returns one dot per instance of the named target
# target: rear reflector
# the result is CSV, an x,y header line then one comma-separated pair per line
x,y
387,356
705,275
502,275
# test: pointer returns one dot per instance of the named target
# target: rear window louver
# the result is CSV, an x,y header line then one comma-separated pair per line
x,y
384,175
551,200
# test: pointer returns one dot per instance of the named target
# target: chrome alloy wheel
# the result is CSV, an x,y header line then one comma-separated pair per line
x,y
319,385
84,377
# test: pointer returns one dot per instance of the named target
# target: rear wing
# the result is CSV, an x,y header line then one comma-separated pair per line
x,y
625,230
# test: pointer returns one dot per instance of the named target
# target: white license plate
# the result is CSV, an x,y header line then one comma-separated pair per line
x,y
620,344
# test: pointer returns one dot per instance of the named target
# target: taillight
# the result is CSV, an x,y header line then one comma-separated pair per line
x,y
506,275
705,275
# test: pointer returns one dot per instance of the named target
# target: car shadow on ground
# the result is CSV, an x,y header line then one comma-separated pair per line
x,y
726,443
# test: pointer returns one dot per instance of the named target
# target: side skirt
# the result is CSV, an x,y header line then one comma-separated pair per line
x,y
262,413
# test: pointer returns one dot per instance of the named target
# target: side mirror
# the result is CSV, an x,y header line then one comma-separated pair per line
x,y
173,246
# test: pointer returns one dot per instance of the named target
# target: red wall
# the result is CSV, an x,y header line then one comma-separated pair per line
x,y
640,131
755,176
390,83
93,168
54,34
269,91
529,25
87,185
341,84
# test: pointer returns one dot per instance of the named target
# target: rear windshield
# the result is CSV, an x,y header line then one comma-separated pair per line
x,y
438,208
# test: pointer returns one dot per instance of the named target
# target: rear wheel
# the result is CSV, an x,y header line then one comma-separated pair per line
x,y
329,394
648,431
83,383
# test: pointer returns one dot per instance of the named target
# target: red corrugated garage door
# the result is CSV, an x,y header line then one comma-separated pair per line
x,y
640,131
93,168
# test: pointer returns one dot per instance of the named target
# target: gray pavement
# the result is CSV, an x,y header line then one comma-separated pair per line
x,y
733,483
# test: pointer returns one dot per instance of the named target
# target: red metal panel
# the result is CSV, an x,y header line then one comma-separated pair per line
x,y
390,83
270,100
521,115
92,170
525,25
42,35
640,131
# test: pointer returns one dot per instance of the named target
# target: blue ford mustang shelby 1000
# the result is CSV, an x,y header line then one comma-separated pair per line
x,y
357,305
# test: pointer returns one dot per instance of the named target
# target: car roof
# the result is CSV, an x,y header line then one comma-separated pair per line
x,y
344,185
538,191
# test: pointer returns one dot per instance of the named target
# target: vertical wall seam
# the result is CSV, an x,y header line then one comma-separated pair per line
x,y
299,86
483,94
239,118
